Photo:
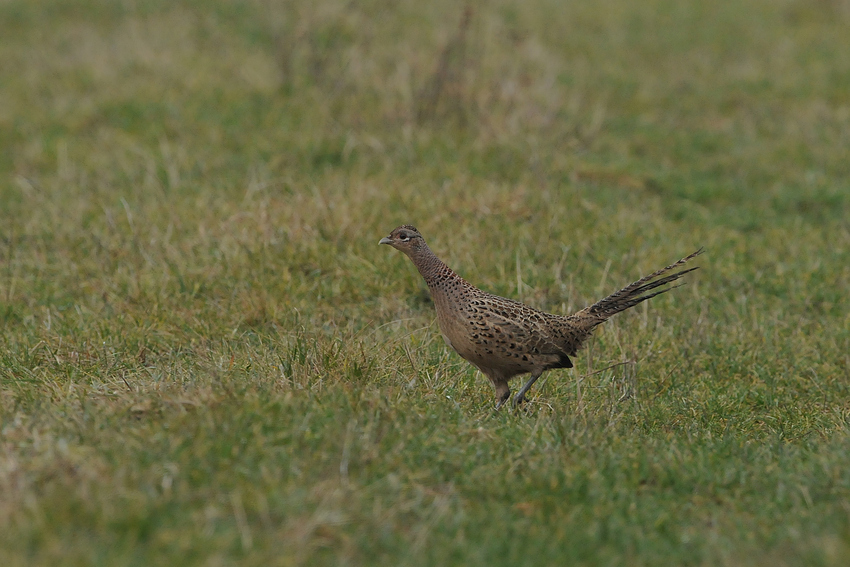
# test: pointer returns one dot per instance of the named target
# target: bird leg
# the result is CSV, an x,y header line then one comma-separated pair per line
x,y
520,396
503,392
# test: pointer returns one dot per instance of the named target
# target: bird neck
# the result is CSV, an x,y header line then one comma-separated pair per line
x,y
434,271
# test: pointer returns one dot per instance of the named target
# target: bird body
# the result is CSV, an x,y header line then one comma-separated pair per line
x,y
504,338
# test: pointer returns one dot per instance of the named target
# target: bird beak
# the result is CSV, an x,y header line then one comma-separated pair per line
x,y
385,240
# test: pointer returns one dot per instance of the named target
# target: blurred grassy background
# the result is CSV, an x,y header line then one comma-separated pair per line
x,y
206,358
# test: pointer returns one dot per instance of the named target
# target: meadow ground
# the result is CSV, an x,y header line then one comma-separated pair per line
x,y
206,358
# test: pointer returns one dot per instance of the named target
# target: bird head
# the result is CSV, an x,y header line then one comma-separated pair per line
x,y
405,238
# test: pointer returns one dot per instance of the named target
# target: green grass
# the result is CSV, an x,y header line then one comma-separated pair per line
x,y
206,358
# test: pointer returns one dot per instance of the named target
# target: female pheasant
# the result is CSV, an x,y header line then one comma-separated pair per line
x,y
504,338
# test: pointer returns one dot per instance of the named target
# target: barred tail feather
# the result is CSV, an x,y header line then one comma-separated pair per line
x,y
636,292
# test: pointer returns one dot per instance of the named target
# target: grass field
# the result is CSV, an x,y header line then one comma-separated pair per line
x,y
207,359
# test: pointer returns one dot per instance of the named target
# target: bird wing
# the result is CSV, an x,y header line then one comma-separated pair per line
x,y
526,327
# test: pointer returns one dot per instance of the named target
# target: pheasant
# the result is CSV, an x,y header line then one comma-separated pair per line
x,y
504,338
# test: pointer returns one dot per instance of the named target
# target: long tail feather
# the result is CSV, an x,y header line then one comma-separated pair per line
x,y
636,292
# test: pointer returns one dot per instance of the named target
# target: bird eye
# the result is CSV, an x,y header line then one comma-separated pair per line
x,y
404,237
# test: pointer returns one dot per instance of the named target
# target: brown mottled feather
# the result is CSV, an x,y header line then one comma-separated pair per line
x,y
504,338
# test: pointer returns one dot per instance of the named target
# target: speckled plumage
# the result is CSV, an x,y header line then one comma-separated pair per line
x,y
504,338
